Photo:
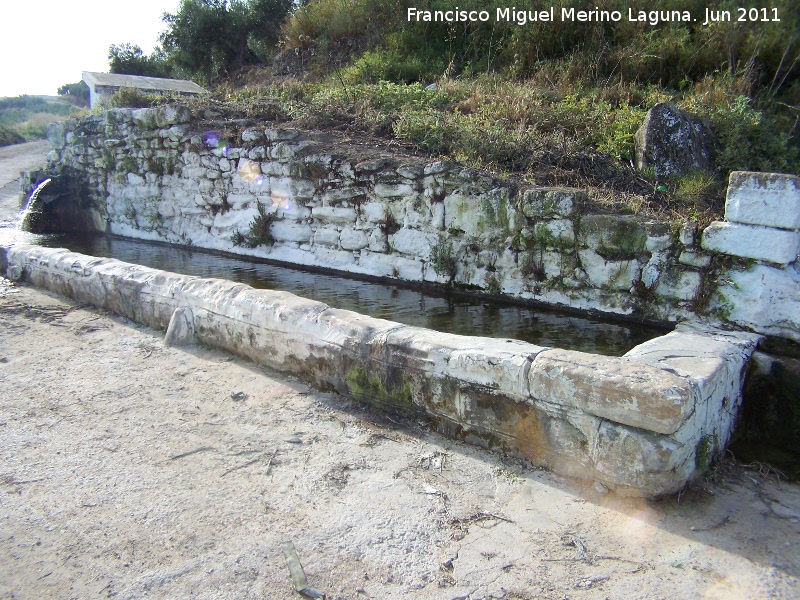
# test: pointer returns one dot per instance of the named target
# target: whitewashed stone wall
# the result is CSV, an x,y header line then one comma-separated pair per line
x,y
762,213
159,174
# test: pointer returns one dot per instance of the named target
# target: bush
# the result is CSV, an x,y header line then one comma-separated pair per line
x,y
131,98
9,136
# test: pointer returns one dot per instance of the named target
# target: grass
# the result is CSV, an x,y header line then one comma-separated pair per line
x,y
580,137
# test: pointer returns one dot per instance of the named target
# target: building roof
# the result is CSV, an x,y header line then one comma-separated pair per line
x,y
142,83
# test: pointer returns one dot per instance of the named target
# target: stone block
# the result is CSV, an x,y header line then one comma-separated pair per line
x,y
388,191
339,195
549,202
752,241
353,239
333,214
612,388
767,199
412,242
373,212
289,231
617,275
694,259
763,298
326,236
615,237
555,232
171,115
679,284
250,136
378,241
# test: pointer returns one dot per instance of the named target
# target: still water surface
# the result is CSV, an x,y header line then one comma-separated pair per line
x,y
440,311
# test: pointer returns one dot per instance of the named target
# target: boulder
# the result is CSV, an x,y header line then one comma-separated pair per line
x,y
673,142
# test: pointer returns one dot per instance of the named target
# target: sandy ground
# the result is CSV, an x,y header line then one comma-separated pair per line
x,y
132,470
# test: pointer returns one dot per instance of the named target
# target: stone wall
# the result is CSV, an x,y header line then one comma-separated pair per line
x,y
643,424
311,199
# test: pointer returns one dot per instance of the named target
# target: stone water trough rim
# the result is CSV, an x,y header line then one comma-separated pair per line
x,y
643,424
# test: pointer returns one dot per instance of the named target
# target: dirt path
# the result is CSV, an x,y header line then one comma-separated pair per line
x,y
132,470
128,469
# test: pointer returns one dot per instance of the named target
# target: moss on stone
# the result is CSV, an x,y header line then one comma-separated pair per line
x,y
370,389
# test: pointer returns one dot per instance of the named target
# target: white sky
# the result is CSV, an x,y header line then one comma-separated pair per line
x,y
45,44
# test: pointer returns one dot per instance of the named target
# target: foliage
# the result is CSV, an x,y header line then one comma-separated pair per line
x,y
76,93
383,44
130,60
206,38
131,98
9,136
749,140
259,233
443,260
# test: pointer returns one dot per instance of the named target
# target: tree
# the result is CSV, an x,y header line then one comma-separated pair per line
x,y
76,93
206,38
129,59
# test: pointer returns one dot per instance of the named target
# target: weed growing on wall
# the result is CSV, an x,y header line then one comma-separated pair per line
x,y
259,233
443,260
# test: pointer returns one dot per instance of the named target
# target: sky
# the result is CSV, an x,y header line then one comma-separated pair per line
x,y
45,44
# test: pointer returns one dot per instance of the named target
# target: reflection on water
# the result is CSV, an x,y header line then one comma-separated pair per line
x,y
441,312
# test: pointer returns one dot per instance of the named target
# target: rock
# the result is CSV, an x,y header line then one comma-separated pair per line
x,y
181,328
673,142
679,284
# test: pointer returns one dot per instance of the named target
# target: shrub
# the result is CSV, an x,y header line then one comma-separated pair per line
x,y
9,136
131,98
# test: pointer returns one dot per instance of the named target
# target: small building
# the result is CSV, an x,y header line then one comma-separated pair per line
x,y
108,84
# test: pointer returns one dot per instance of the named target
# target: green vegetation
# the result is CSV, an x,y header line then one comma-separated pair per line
x,y
26,117
207,40
76,94
443,260
370,389
259,233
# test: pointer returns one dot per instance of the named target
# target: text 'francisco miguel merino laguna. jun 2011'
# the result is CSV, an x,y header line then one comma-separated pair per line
x,y
563,14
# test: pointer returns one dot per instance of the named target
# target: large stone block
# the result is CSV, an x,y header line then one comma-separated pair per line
x,y
353,239
680,284
615,237
765,199
333,214
762,298
617,275
413,242
751,241
537,203
612,388
289,231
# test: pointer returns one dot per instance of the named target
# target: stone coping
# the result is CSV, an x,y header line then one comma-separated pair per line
x,y
642,424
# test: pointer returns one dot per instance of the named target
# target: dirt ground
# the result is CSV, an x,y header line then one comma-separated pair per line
x,y
132,470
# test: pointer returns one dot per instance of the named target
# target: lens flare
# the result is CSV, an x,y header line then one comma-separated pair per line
x,y
211,139
280,199
251,172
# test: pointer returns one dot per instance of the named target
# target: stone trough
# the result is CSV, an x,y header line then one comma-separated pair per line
x,y
641,424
